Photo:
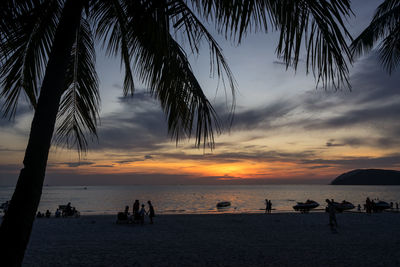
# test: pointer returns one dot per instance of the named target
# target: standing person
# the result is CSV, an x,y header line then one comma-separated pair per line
x,y
135,210
332,216
141,214
368,205
266,205
151,212
269,206
47,214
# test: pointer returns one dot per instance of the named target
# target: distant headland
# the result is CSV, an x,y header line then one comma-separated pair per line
x,y
368,177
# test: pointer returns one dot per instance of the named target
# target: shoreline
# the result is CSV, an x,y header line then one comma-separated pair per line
x,y
277,239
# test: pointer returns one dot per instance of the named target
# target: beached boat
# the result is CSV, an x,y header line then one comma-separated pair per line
x,y
223,204
344,205
380,206
305,206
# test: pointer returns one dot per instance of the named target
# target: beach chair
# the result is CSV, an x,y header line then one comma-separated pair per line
x,y
65,212
122,218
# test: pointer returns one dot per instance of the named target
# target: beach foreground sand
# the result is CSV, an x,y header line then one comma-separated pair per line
x,y
218,240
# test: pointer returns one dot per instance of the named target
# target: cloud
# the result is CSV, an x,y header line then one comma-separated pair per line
x,y
387,161
75,164
139,125
331,143
23,109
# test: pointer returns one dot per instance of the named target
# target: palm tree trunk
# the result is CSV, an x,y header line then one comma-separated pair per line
x,y
16,227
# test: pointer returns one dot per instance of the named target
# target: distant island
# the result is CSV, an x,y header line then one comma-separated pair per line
x,y
368,177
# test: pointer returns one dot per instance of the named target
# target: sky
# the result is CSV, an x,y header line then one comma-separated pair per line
x,y
285,130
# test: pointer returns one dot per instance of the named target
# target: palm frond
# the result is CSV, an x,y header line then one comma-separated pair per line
x,y
79,107
316,26
25,52
111,22
162,64
385,27
195,32
389,50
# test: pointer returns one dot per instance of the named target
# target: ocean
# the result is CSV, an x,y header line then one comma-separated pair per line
x,y
200,199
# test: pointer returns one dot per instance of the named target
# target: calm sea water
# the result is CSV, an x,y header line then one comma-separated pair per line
x,y
202,199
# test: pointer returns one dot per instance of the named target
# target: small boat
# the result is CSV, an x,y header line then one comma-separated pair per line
x,y
305,206
223,204
340,207
380,206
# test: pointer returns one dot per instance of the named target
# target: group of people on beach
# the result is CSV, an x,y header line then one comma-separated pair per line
x,y
268,206
62,211
138,213
371,205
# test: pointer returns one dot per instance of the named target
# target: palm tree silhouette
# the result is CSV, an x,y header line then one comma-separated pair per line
x,y
385,30
47,54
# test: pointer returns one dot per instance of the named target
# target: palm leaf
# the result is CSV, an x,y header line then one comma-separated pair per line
x,y
385,27
78,113
111,22
162,64
185,21
316,26
25,53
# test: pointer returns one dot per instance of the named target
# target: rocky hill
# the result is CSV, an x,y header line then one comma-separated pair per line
x,y
368,177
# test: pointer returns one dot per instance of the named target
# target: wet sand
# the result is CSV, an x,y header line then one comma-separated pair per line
x,y
218,240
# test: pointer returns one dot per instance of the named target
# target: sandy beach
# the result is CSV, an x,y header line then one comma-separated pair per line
x,y
286,239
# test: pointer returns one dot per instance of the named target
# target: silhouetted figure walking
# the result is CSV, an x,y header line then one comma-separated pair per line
x,y
151,211
332,216
266,205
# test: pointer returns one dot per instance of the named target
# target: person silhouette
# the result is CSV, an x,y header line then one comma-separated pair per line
x,y
332,216
151,211
141,214
135,210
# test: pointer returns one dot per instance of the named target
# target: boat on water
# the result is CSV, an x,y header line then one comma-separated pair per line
x,y
305,206
223,204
